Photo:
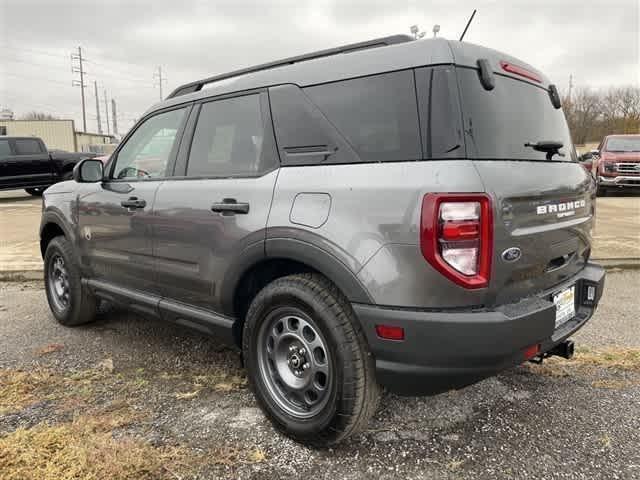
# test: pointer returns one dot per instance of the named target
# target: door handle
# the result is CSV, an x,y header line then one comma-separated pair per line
x,y
230,206
133,202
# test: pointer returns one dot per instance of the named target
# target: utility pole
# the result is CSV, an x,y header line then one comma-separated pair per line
x,y
79,83
115,117
95,88
158,76
570,86
106,109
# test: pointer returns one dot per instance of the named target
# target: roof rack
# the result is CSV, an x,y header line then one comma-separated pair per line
x,y
378,42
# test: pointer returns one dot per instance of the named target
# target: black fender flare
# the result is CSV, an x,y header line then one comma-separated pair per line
x,y
299,250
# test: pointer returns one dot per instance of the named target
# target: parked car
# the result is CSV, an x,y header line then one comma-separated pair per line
x,y
401,213
25,163
618,163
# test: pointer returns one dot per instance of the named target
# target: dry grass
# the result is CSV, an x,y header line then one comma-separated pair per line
x,y
95,444
84,448
616,358
620,358
18,389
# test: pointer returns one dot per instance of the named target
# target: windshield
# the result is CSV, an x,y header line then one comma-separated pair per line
x,y
514,121
623,144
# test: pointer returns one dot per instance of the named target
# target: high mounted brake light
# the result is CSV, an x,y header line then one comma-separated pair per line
x,y
521,71
456,236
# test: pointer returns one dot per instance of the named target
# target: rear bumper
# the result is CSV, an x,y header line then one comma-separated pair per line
x,y
619,181
444,350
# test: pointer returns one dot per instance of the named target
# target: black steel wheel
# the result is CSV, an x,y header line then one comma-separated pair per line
x,y
308,361
70,302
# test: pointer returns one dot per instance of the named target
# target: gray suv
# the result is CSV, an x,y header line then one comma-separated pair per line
x,y
396,213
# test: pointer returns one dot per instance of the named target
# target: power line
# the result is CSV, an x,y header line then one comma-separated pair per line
x,y
80,69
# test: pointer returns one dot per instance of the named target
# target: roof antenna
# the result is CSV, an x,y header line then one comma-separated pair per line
x,y
468,23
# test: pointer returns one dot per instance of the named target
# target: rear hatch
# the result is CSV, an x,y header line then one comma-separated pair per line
x,y
542,199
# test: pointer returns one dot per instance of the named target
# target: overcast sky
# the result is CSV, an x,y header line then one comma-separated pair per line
x,y
123,42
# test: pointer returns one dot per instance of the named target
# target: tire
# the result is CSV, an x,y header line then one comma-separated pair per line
x,y
35,192
70,302
308,310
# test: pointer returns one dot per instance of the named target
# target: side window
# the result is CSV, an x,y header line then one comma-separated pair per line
x,y
27,146
377,115
147,152
5,149
230,139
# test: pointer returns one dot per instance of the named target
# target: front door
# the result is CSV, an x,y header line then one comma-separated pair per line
x,y
217,205
115,216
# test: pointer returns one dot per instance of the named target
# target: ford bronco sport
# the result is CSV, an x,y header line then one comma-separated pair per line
x,y
396,213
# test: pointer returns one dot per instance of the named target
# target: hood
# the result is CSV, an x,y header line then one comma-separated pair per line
x,y
68,186
630,157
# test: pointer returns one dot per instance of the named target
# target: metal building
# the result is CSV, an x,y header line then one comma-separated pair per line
x,y
59,135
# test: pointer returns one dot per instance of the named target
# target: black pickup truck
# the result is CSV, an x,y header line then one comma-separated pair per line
x,y
26,163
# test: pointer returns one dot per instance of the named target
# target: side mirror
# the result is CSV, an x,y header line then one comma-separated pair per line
x,y
89,170
595,152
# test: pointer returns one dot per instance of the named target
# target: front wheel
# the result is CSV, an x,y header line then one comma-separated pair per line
x,y
70,302
308,361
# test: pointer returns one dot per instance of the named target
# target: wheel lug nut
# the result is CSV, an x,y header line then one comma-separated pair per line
x,y
305,366
292,348
302,351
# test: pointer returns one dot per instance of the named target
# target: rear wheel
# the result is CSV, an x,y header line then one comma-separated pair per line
x,y
71,302
308,362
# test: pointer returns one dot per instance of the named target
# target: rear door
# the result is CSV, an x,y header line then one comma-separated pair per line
x,y
543,200
28,165
214,211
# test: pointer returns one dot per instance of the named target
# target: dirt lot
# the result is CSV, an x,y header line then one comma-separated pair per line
x,y
132,398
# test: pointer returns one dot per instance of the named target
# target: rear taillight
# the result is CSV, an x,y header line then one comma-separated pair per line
x,y
456,236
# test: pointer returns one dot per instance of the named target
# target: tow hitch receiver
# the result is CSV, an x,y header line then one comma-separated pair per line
x,y
563,349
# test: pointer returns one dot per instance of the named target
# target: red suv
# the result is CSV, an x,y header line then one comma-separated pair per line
x,y
619,163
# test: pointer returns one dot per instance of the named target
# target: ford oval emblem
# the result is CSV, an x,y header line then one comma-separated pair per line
x,y
511,254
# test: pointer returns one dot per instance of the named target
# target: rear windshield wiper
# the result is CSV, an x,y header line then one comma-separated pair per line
x,y
551,148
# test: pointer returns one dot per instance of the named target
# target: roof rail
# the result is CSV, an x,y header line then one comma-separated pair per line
x,y
378,42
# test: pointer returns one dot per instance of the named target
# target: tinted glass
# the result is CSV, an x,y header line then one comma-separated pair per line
x,y
27,146
623,144
498,123
228,139
377,115
5,149
147,152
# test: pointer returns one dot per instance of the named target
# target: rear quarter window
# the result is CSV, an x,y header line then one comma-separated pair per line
x,y
377,115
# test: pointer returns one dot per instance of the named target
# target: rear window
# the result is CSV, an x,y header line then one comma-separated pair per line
x,y
27,146
377,115
498,123
623,144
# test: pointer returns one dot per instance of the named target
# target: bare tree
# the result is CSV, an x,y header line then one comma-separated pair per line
x,y
38,116
582,111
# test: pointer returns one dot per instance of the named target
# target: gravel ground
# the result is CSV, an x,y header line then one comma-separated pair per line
x,y
565,421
